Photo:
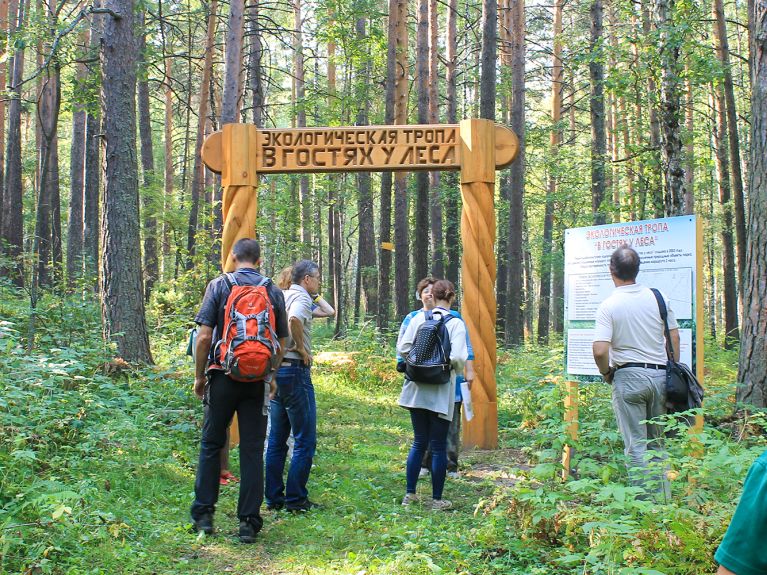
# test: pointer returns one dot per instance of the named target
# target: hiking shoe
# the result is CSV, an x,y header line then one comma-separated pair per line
x,y
276,506
302,507
453,474
409,498
440,504
203,523
247,532
423,472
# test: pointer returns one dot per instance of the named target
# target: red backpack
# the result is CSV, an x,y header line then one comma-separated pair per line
x,y
248,343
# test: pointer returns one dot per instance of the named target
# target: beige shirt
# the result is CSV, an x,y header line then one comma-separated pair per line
x,y
630,321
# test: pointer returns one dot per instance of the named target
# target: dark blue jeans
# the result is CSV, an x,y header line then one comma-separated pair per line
x,y
429,430
224,397
292,409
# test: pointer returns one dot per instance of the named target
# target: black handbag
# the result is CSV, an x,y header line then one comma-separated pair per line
x,y
683,390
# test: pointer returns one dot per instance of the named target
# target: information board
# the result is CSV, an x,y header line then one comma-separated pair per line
x,y
667,249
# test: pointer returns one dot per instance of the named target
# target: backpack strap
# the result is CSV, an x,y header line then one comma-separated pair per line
x,y
664,316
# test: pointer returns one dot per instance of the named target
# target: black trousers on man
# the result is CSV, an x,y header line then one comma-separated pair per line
x,y
224,397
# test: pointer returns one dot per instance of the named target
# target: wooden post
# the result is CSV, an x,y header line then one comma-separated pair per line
x,y
239,180
571,425
240,202
478,275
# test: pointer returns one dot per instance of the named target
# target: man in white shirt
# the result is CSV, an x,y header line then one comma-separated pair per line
x,y
630,351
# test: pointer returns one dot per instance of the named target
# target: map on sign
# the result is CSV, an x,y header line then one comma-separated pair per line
x,y
667,248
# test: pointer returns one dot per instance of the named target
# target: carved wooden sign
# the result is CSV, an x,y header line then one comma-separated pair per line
x,y
368,148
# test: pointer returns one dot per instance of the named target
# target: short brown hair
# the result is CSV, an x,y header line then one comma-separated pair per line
x,y
424,283
443,290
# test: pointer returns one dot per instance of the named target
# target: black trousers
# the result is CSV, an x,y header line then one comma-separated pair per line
x,y
224,397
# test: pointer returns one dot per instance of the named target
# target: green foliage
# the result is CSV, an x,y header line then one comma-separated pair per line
x,y
97,463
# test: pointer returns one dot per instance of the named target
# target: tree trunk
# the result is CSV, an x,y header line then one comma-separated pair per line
x,y
752,372
597,109
719,131
437,242
488,53
421,244
122,297
689,172
653,182
300,85
12,215
5,28
723,52
556,140
514,309
366,252
91,220
452,186
76,177
384,268
198,170
401,225
255,71
670,92
151,264
167,198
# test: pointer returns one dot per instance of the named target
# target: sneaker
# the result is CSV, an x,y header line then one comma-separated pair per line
x,y
409,498
276,506
423,472
247,532
227,477
440,504
453,474
203,523
302,507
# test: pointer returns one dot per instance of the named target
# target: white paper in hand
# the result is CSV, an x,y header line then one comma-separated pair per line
x,y
466,398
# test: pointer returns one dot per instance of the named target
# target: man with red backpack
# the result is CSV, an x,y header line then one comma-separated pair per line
x,y
241,340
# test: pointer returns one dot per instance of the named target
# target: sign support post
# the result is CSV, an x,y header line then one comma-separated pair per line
x,y
478,277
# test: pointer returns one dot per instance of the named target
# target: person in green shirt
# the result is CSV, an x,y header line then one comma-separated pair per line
x,y
742,549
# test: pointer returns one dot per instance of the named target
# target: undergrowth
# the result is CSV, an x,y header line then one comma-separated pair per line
x,y
97,464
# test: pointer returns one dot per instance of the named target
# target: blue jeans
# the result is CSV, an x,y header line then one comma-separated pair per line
x,y
429,430
292,409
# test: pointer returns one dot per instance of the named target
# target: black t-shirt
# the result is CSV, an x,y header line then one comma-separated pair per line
x,y
213,305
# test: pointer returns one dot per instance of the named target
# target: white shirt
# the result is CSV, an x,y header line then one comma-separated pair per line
x,y
630,321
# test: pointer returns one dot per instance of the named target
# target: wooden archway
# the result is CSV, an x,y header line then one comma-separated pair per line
x,y
241,152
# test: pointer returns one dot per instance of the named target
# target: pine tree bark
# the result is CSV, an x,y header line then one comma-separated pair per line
x,y
300,86
752,372
597,111
12,215
385,259
421,244
168,183
5,28
401,225
670,92
122,296
92,183
719,131
76,177
366,253
488,54
255,68
452,187
198,169
516,289
723,52
151,263
437,241
544,303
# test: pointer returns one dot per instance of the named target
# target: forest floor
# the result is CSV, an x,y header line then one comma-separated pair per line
x,y
97,469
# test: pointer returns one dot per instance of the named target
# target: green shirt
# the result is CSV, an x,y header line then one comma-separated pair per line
x,y
742,549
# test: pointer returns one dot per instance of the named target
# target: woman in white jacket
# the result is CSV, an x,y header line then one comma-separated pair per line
x,y
431,405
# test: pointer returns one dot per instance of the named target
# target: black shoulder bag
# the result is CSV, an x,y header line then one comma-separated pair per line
x,y
683,390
